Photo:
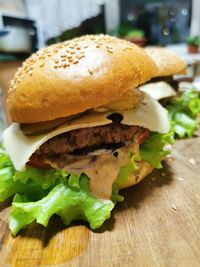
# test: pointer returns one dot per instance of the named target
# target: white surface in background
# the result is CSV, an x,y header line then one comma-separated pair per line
x,y
15,8
181,50
112,15
57,16
18,40
195,18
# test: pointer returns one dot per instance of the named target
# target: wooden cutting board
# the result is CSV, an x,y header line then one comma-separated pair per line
x,y
158,224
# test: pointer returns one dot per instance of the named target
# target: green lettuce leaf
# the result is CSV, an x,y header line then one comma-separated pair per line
x,y
123,175
4,159
153,150
9,187
126,170
70,203
32,182
183,112
116,197
46,178
41,193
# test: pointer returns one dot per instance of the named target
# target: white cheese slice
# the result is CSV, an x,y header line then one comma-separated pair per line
x,y
20,147
149,114
158,90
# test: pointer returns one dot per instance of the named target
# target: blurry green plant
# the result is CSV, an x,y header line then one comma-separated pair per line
x,y
136,33
66,35
125,30
122,30
194,40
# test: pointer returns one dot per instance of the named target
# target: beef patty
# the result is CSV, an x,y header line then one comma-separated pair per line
x,y
87,137
83,141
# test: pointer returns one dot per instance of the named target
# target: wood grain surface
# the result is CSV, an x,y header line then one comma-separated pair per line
x,y
158,224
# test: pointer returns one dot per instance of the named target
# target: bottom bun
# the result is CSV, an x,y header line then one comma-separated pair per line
x,y
144,169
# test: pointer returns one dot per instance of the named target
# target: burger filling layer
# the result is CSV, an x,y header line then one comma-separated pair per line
x,y
98,152
88,159
83,141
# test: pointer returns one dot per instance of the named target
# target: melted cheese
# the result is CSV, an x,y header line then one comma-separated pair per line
x,y
149,114
158,90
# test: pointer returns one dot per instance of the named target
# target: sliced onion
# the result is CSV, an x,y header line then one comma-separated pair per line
x,y
100,152
77,165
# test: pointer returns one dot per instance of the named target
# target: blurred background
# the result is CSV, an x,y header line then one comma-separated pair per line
x,y
27,25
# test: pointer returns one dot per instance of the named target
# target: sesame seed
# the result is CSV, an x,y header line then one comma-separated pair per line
x,y
127,48
66,65
110,51
90,71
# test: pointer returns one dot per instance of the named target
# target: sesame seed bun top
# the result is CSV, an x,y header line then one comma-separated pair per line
x,y
168,63
68,78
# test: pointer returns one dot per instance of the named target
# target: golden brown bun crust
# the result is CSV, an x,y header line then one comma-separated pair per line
x,y
168,63
73,76
144,169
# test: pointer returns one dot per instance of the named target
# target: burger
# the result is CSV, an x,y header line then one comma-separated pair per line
x,y
80,131
183,105
163,85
